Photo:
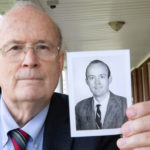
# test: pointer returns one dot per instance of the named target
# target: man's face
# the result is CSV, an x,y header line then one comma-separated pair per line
x,y
97,79
29,78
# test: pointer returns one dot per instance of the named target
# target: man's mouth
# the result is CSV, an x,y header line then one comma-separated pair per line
x,y
98,87
30,78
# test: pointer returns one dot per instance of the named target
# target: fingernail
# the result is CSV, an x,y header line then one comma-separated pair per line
x,y
132,113
122,142
126,129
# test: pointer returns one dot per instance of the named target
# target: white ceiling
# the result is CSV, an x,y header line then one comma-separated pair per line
x,y
84,25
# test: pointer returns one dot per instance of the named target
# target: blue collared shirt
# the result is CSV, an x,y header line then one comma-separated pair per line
x,y
35,128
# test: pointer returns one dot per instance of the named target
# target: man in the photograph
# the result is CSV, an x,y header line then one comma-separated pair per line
x,y
105,109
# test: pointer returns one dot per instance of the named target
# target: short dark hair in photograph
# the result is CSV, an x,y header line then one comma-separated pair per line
x,y
97,62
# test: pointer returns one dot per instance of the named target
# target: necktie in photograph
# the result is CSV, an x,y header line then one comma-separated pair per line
x,y
98,117
19,139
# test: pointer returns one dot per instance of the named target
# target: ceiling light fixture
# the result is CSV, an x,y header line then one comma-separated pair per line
x,y
116,25
52,3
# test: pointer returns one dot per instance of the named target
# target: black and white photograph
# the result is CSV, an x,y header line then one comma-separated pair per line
x,y
99,91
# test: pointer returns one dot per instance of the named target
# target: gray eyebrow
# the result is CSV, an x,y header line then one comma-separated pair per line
x,y
21,42
13,42
42,41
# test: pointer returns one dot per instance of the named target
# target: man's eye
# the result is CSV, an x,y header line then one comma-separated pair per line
x,y
102,76
91,78
42,47
16,47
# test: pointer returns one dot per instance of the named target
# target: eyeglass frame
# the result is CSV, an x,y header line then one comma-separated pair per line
x,y
6,48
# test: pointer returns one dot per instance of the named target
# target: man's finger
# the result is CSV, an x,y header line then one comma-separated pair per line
x,y
133,127
144,148
138,110
136,141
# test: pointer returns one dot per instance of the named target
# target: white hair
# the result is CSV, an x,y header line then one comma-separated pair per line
x,y
21,3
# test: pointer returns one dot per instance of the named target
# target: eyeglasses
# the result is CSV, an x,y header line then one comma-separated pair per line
x,y
17,51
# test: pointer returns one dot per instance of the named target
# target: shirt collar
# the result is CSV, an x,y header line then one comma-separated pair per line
x,y
8,123
33,127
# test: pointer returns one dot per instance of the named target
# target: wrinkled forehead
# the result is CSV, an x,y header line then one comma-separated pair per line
x,y
97,69
28,20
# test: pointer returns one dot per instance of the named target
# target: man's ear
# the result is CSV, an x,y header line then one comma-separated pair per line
x,y
86,81
110,79
61,61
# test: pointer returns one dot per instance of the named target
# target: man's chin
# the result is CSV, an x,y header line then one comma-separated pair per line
x,y
30,94
98,94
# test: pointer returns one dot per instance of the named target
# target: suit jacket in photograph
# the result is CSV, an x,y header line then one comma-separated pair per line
x,y
115,115
57,130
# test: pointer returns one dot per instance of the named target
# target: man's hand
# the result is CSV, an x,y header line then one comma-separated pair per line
x,y
136,131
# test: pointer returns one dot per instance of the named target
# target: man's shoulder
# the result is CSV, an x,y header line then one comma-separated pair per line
x,y
59,106
60,95
117,97
59,98
84,103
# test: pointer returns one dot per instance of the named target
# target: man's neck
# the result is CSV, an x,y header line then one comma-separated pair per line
x,y
102,97
22,112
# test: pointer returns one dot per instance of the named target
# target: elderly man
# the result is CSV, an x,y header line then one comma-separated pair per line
x,y
104,110
32,116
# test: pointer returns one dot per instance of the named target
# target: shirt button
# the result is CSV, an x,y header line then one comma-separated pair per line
x,y
35,145
3,142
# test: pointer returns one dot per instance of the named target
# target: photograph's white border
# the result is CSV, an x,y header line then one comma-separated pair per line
x,y
106,56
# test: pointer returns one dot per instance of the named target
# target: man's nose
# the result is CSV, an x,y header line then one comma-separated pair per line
x,y
97,80
30,59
